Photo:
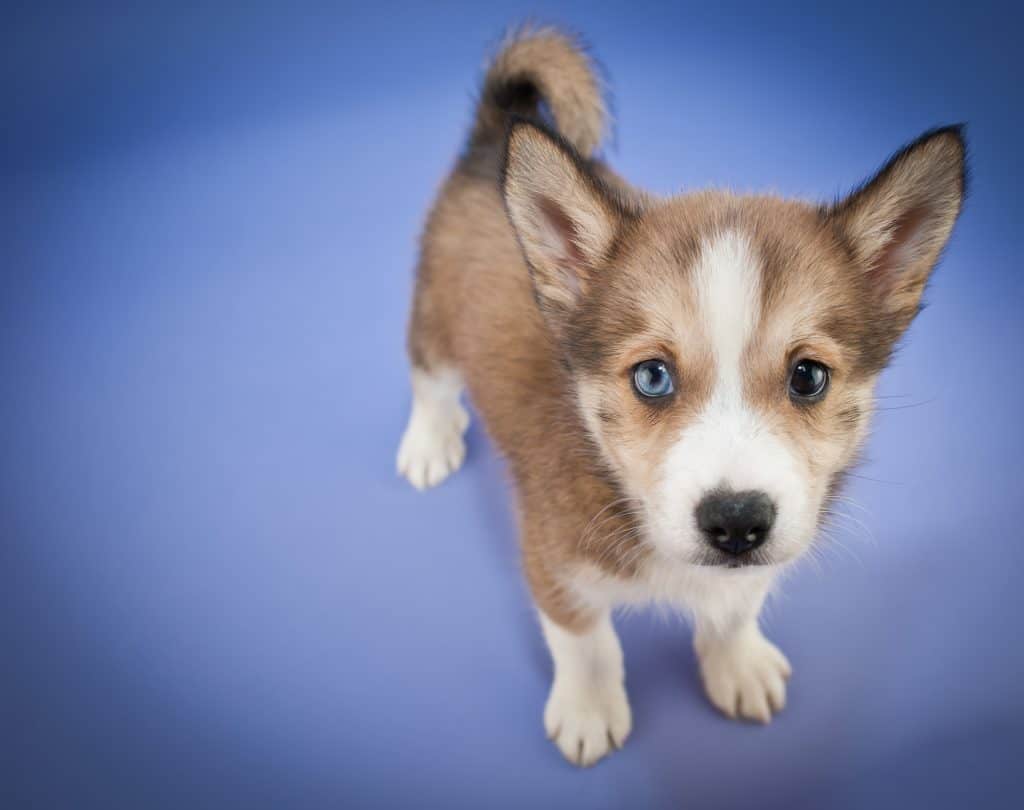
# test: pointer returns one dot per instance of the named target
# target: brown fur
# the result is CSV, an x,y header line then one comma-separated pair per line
x,y
474,309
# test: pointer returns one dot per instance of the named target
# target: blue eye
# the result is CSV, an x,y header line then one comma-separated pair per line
x,y
652,379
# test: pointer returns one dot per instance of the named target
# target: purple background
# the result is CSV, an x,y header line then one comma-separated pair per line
x,y
216,590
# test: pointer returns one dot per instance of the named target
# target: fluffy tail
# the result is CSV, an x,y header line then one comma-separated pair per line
x,y
538,65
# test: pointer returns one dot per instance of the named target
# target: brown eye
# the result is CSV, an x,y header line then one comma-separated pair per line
x,y
808,380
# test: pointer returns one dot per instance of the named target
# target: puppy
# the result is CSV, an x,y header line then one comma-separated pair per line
x,y
678,384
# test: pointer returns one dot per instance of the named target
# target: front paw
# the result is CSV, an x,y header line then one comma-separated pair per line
x,y
744,676
587,721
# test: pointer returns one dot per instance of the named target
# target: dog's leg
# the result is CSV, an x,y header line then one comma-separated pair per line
x,y
587,714
744,674
432,447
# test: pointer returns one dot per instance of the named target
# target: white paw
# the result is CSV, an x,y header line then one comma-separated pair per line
x,y
432,447
744,677
587,722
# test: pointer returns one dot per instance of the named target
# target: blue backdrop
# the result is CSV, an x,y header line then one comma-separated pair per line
x,y
216,590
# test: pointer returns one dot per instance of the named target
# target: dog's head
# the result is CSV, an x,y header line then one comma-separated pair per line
x,y
723,350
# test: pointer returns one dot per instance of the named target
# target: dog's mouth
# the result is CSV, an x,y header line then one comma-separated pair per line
x,y
711,558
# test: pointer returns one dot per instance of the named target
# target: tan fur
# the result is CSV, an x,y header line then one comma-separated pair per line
x,y
552,382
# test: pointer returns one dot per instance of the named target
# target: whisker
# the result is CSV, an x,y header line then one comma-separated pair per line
x,y
874,480
906,406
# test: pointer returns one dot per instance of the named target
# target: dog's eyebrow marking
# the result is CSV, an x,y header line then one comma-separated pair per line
x,y
728,278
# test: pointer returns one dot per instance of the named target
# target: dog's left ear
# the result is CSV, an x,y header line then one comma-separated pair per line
x,y
897,223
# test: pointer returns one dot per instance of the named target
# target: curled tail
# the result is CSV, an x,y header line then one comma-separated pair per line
x,y
538,65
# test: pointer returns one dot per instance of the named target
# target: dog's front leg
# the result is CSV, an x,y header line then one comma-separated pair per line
x,y
587,714
744,674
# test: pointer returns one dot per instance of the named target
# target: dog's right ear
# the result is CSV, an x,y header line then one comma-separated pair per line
x,y
565,219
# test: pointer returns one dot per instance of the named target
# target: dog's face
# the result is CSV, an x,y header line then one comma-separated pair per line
x,y
723,350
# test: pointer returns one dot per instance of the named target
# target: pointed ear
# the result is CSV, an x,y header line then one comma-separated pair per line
x,y
565,219
897,223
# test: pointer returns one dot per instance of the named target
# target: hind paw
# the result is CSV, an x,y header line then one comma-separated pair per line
x,y
432,447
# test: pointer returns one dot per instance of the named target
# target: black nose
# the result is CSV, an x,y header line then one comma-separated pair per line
x,y
735,522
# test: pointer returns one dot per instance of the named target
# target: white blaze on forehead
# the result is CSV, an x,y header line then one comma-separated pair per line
x,y
728,280
729,444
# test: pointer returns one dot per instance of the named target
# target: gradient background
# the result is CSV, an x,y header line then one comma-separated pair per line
x,y
218,593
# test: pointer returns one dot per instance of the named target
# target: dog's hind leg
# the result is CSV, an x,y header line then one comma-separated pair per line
x,y
433,446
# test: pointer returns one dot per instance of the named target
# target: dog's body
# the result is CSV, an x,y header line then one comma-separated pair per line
x,y
650,369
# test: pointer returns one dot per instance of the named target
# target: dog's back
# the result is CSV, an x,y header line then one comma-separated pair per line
x,y
473,293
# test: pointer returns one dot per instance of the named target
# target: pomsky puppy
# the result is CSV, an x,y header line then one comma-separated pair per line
x,y
678,384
